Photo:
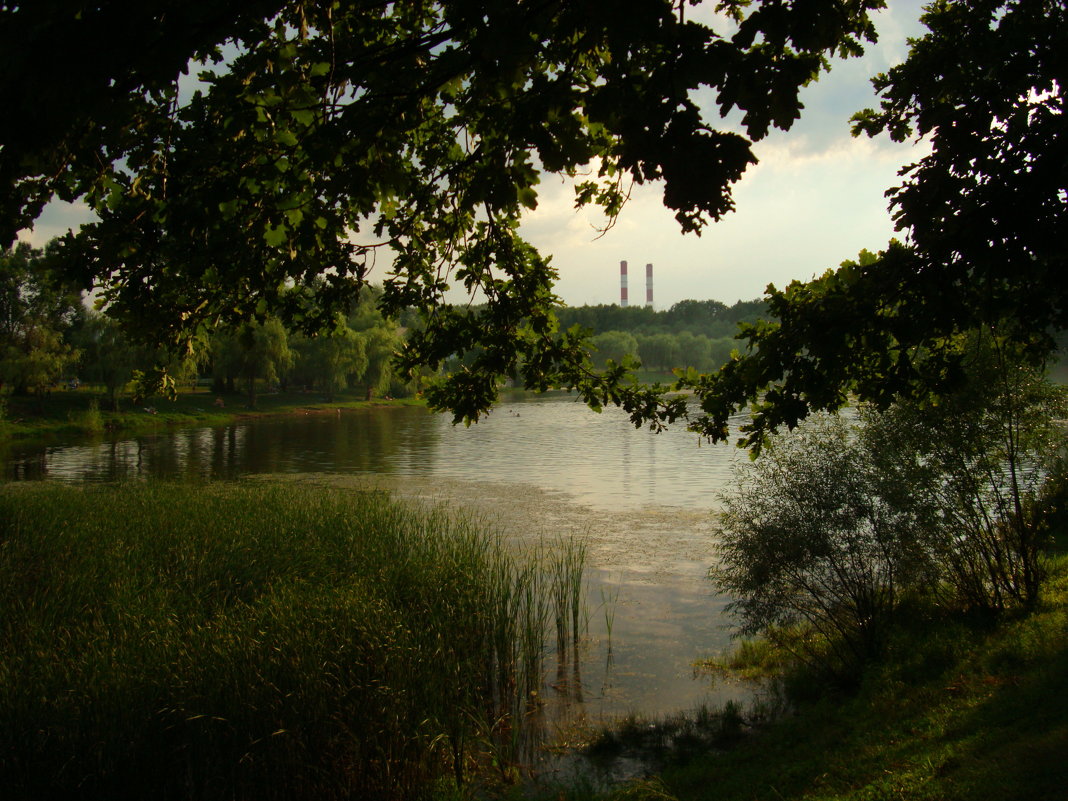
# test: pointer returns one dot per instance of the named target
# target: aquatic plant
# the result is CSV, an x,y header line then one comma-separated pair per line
x,y
89,420
266,641
669,739
609,599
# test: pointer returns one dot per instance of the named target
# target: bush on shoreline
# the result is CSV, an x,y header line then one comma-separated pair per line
x,y
845,524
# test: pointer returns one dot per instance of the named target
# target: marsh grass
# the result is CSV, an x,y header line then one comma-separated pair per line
x,y
268,641
88,420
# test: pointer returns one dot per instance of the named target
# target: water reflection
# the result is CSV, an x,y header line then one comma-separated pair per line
x,y
536,467
553,443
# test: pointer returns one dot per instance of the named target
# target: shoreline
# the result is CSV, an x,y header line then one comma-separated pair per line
x,y
72,413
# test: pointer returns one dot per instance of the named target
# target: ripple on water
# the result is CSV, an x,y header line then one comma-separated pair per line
x,y
535,468
646,575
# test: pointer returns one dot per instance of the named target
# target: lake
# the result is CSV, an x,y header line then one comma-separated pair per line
x,y
538,468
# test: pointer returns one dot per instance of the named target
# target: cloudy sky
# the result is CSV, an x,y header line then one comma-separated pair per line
x,y
815,199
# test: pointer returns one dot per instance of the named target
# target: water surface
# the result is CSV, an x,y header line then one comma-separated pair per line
x,y
538,468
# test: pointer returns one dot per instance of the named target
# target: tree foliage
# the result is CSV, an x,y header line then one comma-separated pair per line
x,y
614,345
382,340
712,318
659,351
842,520
332,360
334,137
985,218
697,334
36,308
254,351
108,356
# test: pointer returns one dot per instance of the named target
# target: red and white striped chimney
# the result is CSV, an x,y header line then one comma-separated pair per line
x,y
649,285
623,283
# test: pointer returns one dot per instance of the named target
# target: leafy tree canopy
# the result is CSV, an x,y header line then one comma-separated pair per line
x,y
333,135
984,217
36,308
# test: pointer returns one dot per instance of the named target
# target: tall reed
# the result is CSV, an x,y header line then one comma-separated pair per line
x,y
609,599
89,420
267,641
566,560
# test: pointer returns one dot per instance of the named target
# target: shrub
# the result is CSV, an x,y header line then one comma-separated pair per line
x,y
839,521
982,466
807,537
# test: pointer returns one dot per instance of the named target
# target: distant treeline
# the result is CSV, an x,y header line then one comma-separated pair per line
x,y
710,318
692,333
49,337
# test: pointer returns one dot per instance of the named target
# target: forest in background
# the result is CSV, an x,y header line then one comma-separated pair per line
x,y
51,337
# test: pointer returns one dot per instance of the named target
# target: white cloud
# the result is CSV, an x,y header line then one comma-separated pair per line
x,y
799,213
57,219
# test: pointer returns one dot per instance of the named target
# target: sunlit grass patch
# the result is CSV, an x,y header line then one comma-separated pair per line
x,y
748,660
959,708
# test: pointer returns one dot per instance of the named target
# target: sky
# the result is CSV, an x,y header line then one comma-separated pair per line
x,y
815,199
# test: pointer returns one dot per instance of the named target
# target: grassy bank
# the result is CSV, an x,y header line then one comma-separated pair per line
x,y
83,411
86,411
960,709
267,642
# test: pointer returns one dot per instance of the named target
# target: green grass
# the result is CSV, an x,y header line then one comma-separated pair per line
x,y
961,709
266,641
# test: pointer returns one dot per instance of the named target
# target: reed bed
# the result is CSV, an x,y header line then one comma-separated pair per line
x,y
230,641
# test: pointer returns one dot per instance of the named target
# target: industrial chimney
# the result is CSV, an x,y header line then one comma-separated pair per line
x,y
623,284
649,285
